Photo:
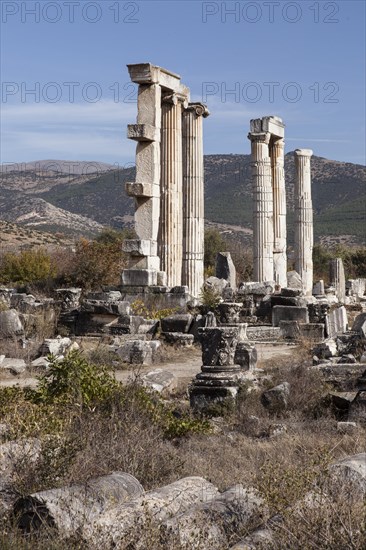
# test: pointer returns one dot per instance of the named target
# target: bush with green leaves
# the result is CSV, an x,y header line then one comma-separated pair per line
x,y
28,266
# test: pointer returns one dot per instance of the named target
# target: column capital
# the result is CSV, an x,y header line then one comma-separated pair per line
x,y
303,152
176,98
199,108
260,137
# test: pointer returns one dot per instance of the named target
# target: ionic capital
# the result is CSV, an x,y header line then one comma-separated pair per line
x,y
176,98
260,137
199,108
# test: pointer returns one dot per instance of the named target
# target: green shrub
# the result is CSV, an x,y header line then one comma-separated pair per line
x,y
29,266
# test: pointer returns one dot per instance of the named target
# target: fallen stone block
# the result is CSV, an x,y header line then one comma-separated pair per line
x,y
214,283
351,471
161,381
177,323
225,268
178,338
359,325
357,410
326,349
276,399
111,529
138,352
246,356
55,346
209,525
68,508
14,366
289,313
10,324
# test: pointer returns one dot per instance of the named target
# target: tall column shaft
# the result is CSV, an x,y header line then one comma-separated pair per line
x,y
304,237
262,207
170,239
193,198
279,212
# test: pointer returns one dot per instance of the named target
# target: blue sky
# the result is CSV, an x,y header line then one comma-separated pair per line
x,y
303,61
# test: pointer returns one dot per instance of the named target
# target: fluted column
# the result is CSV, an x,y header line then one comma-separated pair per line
x,y
193,197
170,240
279,212
304,219
262,207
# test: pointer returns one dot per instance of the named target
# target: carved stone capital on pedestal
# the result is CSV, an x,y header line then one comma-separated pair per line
x,y
260,137
199,108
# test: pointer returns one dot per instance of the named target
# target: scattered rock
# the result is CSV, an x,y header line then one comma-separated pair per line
x,y
14,366
347,427
138,352
10,324
225,268
161,381
276,399
177,323
359,325
56,346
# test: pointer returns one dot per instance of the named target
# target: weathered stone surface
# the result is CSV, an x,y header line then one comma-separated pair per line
x,y
177,323
56,346
289,313
246,356
40,364
318,288
343,378
106,307
107,296
14,366
294,280
216,284
357,410
337,278
326,349
336,321
208,526
10,324
161,381
218,346
303,219
229,312
69,297
290,330
347,427
68,508
225,268
179,338
138,352
276,399
112,528
359,325
258,289
351,471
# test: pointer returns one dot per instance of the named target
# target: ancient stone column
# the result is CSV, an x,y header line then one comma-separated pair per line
x,y
170,241
262,207
337,278
279,212
193,197
304,219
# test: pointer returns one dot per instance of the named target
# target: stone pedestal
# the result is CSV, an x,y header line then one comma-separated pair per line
x,y
304,219
193,197
262,207
220,377
279,212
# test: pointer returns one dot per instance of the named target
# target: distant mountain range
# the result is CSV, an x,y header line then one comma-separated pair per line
x,y
79,198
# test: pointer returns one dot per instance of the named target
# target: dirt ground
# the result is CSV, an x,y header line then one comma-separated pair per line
x,y
184,363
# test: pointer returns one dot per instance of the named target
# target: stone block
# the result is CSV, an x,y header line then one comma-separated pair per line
x,y
135,189
14,366
137,247
161,381
225,268
139,277
294,280
257,289
55,346
138,352
143,132
318,288
290,330
10,324
276,399
177,323
149,105
359,325
336,321
289,313
312,331
246,356
216,284
179,338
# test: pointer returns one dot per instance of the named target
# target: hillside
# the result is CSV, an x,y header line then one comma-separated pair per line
x,y
339,197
